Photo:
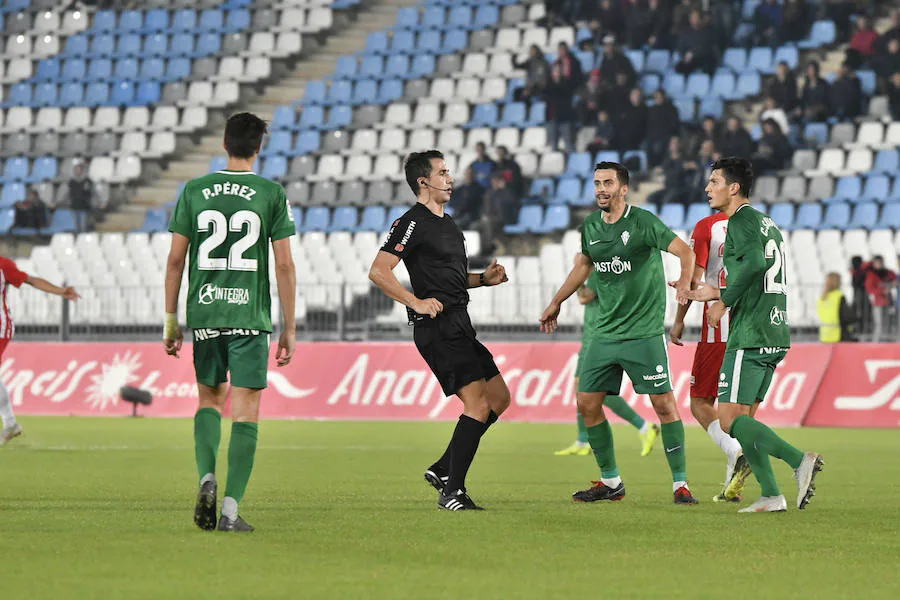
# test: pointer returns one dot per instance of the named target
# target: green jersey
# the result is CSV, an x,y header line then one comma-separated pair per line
x,y
229,218
756,284
628,275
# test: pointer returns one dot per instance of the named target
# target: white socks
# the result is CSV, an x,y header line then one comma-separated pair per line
x,y
728,444
208,477
611,482
6,411
229,508
644,428
676,485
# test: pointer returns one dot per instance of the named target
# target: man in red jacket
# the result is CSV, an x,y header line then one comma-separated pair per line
x,y
879,283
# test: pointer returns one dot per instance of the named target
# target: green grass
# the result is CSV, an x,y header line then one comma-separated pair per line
x,y
102,508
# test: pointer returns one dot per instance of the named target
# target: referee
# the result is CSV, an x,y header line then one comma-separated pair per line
x,y
434,250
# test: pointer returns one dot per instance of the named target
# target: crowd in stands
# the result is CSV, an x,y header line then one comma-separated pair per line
x,y
79,195
875,310
489,195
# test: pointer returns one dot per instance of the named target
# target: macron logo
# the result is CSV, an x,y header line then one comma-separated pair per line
x,y
881,397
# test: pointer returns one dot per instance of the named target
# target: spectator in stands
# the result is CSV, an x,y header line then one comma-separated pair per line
x,y
699,170
862,44
663,122
736,141
675,187
81,195
767,20
776,113
834,313
784,87
888,63
815,96
605,19
482,166
893,94
796,20
618,98
681,16
467,201
893,33
537,75
631,125
615,63
563,12
862,306
879,284
709,130
697,47
774,150
589,99
565,77
639,23
501,206
846,94
605,133
510,169
661,25
30,212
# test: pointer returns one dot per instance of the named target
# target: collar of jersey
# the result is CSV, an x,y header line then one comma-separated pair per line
x,y
624,216
227,172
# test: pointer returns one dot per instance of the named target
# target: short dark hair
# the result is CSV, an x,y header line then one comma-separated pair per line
x,y
244,134
418,164
736,170
621,172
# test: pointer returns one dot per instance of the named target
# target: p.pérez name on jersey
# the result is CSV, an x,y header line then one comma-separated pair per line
x,y
230,189
210,293
616,266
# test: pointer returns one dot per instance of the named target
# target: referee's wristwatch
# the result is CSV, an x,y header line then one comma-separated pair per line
x,y
481,280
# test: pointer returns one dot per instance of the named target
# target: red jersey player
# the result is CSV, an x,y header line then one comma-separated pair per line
x,y
11,275
708,242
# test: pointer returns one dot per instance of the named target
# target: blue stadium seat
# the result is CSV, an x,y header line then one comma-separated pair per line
x,y
711,107
153,69
530,219
395,212
312,117
673,84
212,20
847,189
155,220
887,161
749,9
374,218
585,59
587,197
345,219
207,44
346,67
511,86
372,66
823,33
280,142
45,94
148,92
284,116
317,219
484,115
237,20
177,68
685,108
423,65
71,94
128,44
837,216
789,55
7,218
865,216
513,114
15,169
307,142
339,117
809,216
20,94
697,211
340,92
697,85
184,20
556,218
130,21
182,45
537,116
126,68
603,156
867,81
376,43
641,157
637,59
76,46
579,165
434,16
649,83
298,217
460,16
275,167
99,69
403,42
390,90
891,216
63,221
877,188
397,66
104,20
487,15
48,70
408,18
12,193
428,41
156,44
723,83
218,163
651,208
365,92
735,59
816,133
657,61
748,85
673,216
44,168
783,215
760,60
544,187
122,94
156,20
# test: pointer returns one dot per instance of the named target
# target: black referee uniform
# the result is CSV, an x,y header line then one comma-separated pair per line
x,y
434,251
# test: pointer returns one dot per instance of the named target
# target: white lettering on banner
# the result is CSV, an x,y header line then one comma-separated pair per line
x,y
785,391
531,395
392,386
881,396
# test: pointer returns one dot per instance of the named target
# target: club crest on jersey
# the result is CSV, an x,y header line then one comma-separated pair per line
x,y
625,237
767,224
617,266
777,317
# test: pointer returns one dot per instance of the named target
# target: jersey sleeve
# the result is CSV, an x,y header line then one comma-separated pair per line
x,y
405,235
181,216
700,240
658,235
282,218
11,272
746,262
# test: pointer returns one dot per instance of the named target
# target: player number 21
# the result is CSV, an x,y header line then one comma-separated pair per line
x,y
773,286
220,228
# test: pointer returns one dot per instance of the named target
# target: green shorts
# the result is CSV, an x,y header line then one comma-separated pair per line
x,y
243,352
747,373
646,361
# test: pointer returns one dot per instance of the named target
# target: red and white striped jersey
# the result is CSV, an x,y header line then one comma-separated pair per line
x,y
9,275
708,242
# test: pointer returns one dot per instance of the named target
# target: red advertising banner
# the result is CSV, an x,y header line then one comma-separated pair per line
x,y
860,389
355,381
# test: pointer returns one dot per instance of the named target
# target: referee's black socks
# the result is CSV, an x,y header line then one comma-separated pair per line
x,y
463,446
442,465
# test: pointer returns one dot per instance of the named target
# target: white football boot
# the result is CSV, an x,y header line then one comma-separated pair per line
x,y
767,504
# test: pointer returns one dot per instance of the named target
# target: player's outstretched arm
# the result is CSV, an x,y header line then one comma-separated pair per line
x,y
172,336
678,327
495,274
286,279
381,273
38,283
577,276
688,260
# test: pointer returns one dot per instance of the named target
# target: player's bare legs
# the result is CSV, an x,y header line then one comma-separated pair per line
x,y
673,442
11,428
241,454
207,435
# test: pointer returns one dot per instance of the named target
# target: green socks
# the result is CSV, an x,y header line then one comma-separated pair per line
x,y
582,430
673,442
618,405
601,439
759,442
207,435
241,452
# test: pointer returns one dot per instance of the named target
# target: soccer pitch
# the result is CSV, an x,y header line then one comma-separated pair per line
x,y
102,508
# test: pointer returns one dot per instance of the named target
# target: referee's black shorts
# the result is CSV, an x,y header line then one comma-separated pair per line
x,y
455,356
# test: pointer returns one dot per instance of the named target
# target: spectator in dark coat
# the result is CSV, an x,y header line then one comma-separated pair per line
x,y
697,47
767,19
30,212
796,20
774,151
467,201
736,141
663,123
606,18
862,305
631,125
681,16
605,135
815,96
846,95
639,23
501,207
565,77
675,188
891,34
660,26
888,63
700,169
590,99
537,75
614,63
783,88
511,171
81,195
709,130
482,166
893,95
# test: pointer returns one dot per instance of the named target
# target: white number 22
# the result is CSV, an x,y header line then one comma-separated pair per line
x,y
779,267
235,261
